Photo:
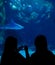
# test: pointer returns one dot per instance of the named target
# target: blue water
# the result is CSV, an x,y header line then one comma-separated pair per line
x,y
25,19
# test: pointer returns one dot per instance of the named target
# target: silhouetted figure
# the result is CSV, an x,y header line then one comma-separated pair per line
x,y
11,55
27,55
42,54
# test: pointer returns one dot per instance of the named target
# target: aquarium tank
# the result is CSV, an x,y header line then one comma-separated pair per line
x,y
25,19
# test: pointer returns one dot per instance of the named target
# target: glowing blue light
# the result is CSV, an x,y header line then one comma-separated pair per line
x,y
14,7
23,53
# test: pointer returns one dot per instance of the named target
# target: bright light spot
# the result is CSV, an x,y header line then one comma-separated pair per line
x,y
29,6
14,7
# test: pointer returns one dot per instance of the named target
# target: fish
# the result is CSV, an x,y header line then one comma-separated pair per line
x,y
12,26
